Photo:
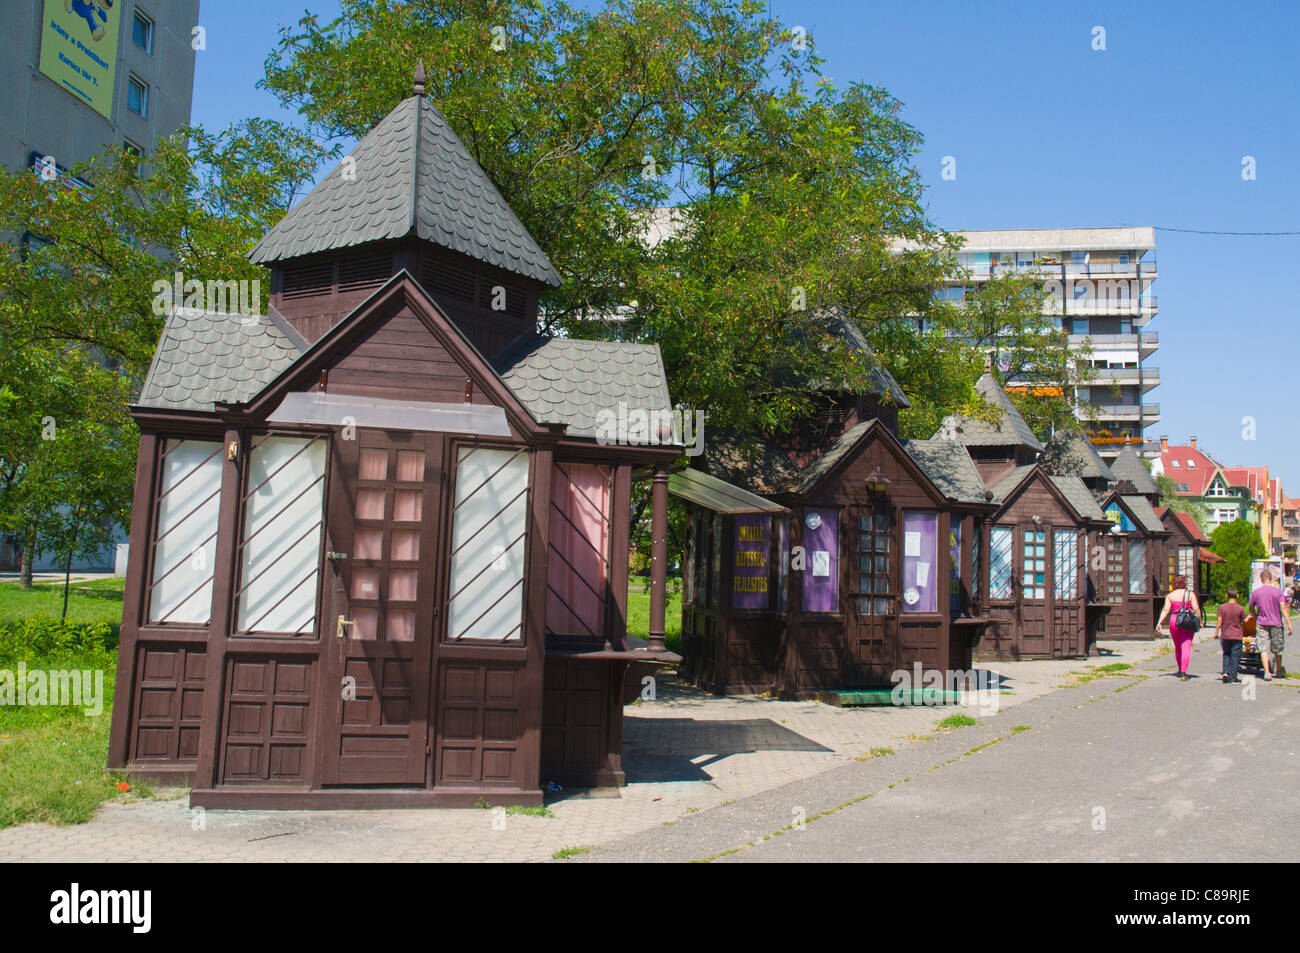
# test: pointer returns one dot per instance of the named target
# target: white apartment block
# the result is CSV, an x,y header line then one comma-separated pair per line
x,y
1099,281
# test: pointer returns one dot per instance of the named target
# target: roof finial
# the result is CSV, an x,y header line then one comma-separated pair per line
x,y
419,78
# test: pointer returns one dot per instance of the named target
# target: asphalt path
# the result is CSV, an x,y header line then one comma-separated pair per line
x,y
1133,767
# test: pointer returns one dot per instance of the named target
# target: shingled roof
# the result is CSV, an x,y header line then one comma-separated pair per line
x,y
1010,430
562,380
1128,467
206,357
1076,491
879,380
950,467
409,175
1072,454
754,464
1143,512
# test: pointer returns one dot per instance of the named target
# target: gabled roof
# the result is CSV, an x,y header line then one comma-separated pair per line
x,y
880,381
949,466
1128,467
205,357
820,467
562,380
1144,513
1010,430
756,465
1186,520
409,175
1071,489
1072,454
1252,478
1079,496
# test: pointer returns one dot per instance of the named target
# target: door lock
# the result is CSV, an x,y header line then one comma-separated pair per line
x,y
343,622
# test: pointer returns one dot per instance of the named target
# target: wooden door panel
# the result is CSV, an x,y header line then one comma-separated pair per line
x,y
383,538
871,619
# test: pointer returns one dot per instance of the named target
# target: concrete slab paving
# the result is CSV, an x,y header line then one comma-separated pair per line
x,y
686,752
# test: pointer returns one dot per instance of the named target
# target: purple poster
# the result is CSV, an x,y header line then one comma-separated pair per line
x,y
749,587
920,567
821,552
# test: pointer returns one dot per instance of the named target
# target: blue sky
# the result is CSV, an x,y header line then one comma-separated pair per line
x,y
1048,132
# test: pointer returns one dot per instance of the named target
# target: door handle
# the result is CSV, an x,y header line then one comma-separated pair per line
x,y
343,622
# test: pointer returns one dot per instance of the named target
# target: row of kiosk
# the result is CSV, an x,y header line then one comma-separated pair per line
x,y
808,572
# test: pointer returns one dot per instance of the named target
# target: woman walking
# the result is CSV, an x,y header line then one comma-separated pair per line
x,y
1179,598
1232,618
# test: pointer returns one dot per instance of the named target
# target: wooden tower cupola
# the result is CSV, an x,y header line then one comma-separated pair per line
x,y
408,197
996,447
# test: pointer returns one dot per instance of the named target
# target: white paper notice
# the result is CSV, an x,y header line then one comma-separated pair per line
x,y
911,544
922,574
821,562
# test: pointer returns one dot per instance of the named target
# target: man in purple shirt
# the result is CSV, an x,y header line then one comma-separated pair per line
x,y
1270,617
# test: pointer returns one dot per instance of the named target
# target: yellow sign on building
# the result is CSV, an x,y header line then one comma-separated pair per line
x,y
79,49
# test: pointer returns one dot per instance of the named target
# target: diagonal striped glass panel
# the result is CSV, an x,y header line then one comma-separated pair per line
x,y
1000,539
1137,567
486,594
1065,564
185,534
280,550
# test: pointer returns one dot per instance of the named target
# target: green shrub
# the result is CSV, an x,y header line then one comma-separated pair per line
x,y
40,638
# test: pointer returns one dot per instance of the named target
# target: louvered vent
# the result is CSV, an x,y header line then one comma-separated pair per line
x,y
312,278
369,272
514,298
442,280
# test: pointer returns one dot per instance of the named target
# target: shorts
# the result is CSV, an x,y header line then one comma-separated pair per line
x,y
1275,641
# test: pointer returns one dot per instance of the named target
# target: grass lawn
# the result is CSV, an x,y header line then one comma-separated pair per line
x,y
99,600
638,612
52,758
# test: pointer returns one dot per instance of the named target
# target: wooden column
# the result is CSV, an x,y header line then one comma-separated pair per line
x,y
658,557
134,601
221,623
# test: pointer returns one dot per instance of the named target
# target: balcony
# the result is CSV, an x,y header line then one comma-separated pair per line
x,y
1145,344
1148,377
1127,411
1090,305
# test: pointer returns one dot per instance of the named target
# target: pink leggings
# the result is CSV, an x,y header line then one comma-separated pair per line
x,y
1182,647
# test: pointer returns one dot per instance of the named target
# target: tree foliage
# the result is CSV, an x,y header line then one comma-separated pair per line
x,y
1238,543
77,319
792,193
1180,504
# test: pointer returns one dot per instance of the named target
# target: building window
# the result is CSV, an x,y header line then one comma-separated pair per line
x,y
1034,564
486,598
920,562
874,551
1114,570
1174,464
578,562
185,532
1000,540
280,553
130,148
142,32
821,542
1137,567
137,97
1065,550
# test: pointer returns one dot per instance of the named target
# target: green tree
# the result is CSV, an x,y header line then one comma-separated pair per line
x,y
1238,543
77,318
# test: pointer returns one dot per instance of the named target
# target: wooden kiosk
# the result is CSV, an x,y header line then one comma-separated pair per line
x,y
824,570
379,548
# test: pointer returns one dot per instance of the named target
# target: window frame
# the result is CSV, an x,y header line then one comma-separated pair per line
x,y
134,80
138,16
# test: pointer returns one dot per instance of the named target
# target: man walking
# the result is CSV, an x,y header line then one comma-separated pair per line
x,y
1270,618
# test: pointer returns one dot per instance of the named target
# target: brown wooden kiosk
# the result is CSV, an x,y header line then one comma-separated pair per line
x,y
1187,552
1032,582
1134,579
810,572
371,565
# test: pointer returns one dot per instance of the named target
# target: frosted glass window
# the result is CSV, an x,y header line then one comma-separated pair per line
x,y
1137,567
486,598
185,534
1000,540
279,558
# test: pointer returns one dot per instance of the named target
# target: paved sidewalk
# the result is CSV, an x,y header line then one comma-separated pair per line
x,y
685,752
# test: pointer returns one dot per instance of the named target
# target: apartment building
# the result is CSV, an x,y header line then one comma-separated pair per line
x,y
1099,283
80,77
